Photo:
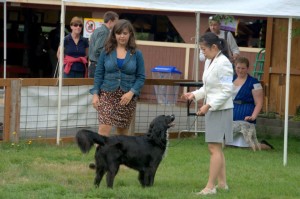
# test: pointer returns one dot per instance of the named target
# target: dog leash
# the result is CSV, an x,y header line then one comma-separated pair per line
x,y
190,127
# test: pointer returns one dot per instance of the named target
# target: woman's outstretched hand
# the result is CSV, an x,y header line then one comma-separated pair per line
x,y
250,118
188,96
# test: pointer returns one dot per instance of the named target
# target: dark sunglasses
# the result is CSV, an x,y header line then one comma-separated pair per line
x,y
76,25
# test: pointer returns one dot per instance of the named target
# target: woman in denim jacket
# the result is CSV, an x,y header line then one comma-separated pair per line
x,y
119,78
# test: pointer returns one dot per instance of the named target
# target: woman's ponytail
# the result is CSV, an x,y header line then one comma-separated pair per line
x,y
224,47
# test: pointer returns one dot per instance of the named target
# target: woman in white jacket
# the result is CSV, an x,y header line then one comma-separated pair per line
x,y
217,107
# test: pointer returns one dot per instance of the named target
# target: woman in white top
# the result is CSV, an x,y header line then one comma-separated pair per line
x,y
217,107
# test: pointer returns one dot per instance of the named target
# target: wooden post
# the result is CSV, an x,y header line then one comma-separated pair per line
x,y
15,110
7,107
267,64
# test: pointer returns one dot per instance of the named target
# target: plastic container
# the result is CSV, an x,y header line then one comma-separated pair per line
x,y
166,95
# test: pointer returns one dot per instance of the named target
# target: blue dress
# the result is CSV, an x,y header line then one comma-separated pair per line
x,y
243,106
244,102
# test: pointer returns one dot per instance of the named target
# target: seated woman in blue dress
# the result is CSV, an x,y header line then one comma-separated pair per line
x,y
247,99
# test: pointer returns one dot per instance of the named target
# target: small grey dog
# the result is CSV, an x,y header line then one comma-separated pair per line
x,y
249,132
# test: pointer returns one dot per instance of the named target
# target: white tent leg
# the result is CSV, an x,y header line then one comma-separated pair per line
x,y
61,56
4,39
197,46
287,91
196,55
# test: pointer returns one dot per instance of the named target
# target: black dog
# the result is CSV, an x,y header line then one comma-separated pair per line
x,y
142,153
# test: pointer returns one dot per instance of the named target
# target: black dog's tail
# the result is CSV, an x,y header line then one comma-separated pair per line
x,y
86,139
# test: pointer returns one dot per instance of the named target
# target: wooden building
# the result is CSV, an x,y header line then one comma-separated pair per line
x,y
276,64
181,54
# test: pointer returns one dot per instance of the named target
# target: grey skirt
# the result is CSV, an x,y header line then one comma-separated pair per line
x,y
218,126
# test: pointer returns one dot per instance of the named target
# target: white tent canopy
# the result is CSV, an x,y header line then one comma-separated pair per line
x,y
271,8
266,8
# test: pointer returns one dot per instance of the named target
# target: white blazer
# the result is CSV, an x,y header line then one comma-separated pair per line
x,y
217,83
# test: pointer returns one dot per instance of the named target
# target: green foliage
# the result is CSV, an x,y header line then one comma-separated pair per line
x,y
298,110
297,115
296,31
48,171
270,115
142,36
219,18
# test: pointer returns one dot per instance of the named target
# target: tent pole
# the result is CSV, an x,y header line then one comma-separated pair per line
x,y
61,56
4,39
197,63
197,46
287,91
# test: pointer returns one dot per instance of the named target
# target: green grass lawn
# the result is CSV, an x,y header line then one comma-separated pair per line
x,y
35,170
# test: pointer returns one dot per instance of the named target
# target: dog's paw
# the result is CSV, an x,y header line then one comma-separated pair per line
x,y
92,165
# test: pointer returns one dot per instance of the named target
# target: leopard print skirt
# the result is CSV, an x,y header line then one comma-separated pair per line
x,y
110,112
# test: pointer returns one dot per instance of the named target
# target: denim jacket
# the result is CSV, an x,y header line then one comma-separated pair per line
x,y
109,77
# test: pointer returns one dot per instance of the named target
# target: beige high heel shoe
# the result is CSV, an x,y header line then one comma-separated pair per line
x,y
226,188
207,191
